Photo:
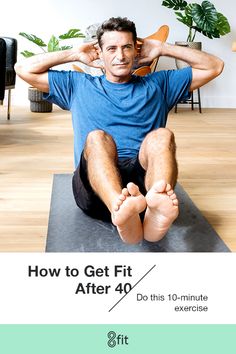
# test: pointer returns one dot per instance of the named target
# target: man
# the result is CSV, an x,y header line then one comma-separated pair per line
x,y
125,157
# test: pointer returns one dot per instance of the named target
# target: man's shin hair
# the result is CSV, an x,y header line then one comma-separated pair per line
x,y
120,24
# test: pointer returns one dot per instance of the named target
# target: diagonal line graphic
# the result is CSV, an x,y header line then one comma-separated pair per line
x,y
132,287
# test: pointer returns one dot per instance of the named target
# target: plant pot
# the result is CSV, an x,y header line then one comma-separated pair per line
x,y
180,64
37,103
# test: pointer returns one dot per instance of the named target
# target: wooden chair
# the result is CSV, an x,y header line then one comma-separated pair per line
x,y
77,68
161,35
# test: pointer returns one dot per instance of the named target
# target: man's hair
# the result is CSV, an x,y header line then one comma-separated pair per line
x,y
116,24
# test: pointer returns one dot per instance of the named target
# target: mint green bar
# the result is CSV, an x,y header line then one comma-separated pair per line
x,y
134,339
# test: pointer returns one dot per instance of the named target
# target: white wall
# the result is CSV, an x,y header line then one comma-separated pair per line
x,y
48,17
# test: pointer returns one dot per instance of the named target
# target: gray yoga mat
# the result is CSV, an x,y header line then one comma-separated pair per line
x,y
70,230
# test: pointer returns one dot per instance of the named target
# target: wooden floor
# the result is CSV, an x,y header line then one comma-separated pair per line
x,y
35,146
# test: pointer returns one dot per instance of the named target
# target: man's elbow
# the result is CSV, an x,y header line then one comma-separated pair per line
x,y
219,67
16,67
19,69
23,72
216,69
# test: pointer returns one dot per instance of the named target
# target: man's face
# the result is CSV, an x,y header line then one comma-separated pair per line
x,y
118,53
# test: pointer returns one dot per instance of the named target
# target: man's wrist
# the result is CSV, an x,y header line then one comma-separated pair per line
x,y
165,49
73,54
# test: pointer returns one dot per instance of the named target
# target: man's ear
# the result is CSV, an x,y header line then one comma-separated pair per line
x,y
100,53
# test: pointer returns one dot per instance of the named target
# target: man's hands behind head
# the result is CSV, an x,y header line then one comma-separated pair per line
x,y
88,53
148,50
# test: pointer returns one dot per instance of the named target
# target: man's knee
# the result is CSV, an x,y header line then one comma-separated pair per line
x,y
97,139
161,138
161,134
155,143
97,135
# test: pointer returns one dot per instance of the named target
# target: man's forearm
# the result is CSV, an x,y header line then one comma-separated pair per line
x,y
40,63
197,59
34,70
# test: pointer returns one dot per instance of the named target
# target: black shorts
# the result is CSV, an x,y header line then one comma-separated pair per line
x,y
87,200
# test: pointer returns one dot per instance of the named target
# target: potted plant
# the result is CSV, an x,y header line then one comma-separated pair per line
x,y
203,18
37,103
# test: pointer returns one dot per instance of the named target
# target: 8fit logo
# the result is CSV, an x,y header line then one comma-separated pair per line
x,y
115,339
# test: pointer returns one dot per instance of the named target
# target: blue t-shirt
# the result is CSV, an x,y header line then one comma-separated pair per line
x,y
127,111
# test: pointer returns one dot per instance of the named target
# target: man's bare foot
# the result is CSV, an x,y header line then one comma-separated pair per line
x,y
125,214
162,210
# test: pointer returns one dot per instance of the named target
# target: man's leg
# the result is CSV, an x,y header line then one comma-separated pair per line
x,y
124,204
157,157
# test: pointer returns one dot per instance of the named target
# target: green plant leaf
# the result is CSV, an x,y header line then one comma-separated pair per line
x,y
211,35
72,33
202,18
53,44
205,16
186,20
175,4
188,10
64,47
27,54
222,25
32,38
